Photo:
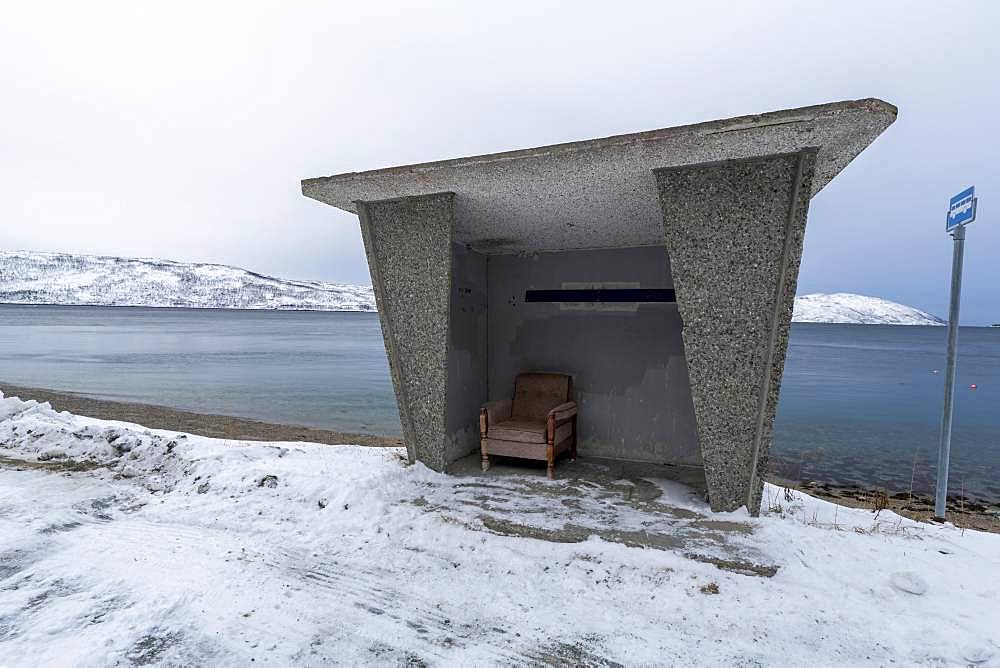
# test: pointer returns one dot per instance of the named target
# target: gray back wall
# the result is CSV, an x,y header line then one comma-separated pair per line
x,y
629,369
467,352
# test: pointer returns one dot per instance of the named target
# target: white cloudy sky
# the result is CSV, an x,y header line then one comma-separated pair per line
x,y
181,130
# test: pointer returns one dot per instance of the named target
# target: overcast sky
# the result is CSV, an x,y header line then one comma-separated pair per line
x,y
182,130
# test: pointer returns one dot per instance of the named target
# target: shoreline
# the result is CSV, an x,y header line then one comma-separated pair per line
x,y
280,309
293,309
202,424
961,511
915,506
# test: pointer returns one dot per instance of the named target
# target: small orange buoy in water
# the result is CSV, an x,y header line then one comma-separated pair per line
x,y
973,387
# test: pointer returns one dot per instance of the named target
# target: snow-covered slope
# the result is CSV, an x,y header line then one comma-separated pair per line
x,y
844,307
28,277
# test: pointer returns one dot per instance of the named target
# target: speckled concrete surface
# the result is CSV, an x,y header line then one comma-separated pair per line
x,y
728,197
408,243
734,232
601,193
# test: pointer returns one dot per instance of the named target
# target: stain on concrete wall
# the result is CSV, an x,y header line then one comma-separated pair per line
x,y
629,369
466,351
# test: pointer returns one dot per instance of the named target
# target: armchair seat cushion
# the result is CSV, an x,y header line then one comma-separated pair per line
x,y
527,431
520,430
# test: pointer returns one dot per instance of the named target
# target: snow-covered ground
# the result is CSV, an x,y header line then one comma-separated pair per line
x,y
844,307
30,277
124,545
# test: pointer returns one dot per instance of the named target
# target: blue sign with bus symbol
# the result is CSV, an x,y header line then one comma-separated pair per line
x,y
961,209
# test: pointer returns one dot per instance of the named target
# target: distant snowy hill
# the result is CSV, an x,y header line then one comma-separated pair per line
x,y
844,307
28,277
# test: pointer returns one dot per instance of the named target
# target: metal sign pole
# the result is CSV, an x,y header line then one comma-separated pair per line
x,y
944,452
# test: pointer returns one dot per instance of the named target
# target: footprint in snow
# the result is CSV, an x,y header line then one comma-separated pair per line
x,y
980,654
909,582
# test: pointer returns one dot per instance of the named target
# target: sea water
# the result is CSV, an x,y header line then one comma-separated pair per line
x,y
318,369
860,404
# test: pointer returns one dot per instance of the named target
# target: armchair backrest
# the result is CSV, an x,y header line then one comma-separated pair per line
x,y
535,394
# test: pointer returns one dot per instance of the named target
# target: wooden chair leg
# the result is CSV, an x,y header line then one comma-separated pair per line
x,y
550,450
483,430
572,445
486,456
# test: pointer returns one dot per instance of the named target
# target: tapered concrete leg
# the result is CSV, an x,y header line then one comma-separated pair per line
x,y
734,233
408,243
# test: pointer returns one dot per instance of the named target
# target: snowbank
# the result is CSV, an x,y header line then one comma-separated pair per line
x,y
120,544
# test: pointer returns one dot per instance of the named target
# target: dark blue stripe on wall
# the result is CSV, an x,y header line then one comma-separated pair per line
x,y
661,295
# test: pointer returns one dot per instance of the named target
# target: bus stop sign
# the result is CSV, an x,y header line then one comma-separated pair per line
x,y
961,209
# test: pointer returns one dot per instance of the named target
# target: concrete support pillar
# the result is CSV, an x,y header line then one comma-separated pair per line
x,y
408,243
734,233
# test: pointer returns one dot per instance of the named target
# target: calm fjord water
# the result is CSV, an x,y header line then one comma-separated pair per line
x,y
308,368
859,404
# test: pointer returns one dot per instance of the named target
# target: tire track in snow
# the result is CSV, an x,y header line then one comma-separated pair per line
x,y
433,631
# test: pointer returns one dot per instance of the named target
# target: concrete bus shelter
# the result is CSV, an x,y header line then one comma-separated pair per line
x,y
460,250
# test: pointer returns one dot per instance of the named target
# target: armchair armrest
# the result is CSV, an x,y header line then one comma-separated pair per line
x,y
558,425
563,411
493,412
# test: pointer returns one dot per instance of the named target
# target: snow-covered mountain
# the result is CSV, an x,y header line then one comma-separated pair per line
x,y
844,307
32,277
29,277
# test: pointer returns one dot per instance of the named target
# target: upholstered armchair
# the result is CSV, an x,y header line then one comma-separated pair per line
x,y
539,423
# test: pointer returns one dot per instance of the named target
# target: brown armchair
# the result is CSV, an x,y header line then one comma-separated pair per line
x,y
539,423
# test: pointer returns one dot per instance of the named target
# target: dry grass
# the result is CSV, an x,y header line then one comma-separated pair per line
x,y
877,501
909,503
959,513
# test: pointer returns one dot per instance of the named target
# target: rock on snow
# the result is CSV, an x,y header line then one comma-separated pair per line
x,y
844,307
28,277
120,544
